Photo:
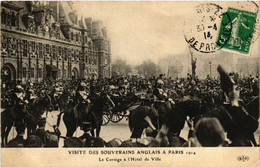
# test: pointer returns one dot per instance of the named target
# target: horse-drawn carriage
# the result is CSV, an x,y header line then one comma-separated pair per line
x,y
123,105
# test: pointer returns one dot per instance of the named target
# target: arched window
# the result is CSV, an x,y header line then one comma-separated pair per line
x,y
65,73
59,73
13,19
32,72
3,17
71,35
40,72
24,72
77,37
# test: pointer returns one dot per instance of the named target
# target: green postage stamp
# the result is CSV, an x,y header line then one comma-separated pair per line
x,y
241,27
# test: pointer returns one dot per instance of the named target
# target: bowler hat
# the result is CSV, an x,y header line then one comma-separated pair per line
x,y
41,121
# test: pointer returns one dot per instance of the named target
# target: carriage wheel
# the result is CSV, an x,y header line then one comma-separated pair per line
x,y
106,119
116,117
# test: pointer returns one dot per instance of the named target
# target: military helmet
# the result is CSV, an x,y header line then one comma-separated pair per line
x,y
83,84
42,121
160,82
19,88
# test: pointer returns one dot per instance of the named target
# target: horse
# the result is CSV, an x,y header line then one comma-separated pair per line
x,y
63,100
253,107
35,110
137,122
12,116
92,113
98,107
173,117
29,116
6,124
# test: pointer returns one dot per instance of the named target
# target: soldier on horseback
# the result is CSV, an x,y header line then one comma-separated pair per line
x,y
82,93
29,92
159,92
81,110
57,91
17,111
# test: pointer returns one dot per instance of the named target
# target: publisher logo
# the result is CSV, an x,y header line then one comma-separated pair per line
x,y
243,158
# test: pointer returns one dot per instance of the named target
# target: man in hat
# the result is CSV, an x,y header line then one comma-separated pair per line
x,y
86,138
48,139
255,86
122,91
161,95
81,109
93,88
159,92
40,131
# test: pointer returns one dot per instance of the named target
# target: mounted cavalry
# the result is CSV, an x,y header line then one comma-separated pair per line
x,y
157,113
21,114
80,109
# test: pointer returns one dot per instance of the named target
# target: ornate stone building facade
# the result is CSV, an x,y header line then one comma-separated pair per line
x,y
42,40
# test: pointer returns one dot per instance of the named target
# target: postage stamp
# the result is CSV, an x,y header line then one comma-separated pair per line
x,y
202,30
242,30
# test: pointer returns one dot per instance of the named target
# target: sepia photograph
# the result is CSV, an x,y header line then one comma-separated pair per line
x,y
129,83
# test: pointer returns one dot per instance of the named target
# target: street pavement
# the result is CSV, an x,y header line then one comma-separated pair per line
x,y
110,131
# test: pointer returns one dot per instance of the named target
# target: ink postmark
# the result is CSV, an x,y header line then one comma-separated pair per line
x,y
201,31
243,24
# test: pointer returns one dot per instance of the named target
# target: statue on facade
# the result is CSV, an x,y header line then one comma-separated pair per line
x,y
193,66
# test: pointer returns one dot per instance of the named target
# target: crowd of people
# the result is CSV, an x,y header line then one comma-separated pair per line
x,y
208,131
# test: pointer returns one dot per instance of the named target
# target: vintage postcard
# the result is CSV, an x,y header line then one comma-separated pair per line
x,y
130,83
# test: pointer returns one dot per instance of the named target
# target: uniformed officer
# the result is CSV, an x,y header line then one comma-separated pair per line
x,y
83,102
29,93
159,92
82,93
18,114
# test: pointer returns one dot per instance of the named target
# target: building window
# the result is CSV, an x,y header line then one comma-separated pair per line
x,y
13,19
54,53
47,49
33,46
65,72
95,61
32,72
59,73
40,51
25,48
77,37
65,54
3,17
59,53
24,72
71,36
40,73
